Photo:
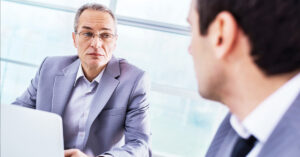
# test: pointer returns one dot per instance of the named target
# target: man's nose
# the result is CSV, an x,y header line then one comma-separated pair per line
x,y
96,42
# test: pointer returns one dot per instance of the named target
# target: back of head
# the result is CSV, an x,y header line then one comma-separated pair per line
x,y
273,29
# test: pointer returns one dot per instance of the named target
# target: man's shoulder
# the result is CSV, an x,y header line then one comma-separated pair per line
x,y
54,64
127,67
61,59
126,72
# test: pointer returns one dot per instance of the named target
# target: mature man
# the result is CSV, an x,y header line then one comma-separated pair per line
x,y
247,55
101,99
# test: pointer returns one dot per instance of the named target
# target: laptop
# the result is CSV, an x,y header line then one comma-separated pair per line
x,y
30,133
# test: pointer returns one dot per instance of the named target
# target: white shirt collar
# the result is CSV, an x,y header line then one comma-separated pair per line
x,y
81,74
262,121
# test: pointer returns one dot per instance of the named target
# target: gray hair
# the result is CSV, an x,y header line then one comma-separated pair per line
x,y
93,6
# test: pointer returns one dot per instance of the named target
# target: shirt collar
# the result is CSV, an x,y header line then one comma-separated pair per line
x,y
262,121
81,74
238,127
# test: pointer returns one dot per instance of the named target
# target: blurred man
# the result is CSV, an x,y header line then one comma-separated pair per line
x,y
247,56
102,99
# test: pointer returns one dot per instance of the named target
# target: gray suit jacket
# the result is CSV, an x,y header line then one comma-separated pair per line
x,y
283,142
119,109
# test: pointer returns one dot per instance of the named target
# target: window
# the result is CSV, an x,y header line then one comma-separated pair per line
x,y
168,11
163,55
153,35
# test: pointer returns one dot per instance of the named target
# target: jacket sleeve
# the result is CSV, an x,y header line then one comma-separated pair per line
x,y
137,125
28,98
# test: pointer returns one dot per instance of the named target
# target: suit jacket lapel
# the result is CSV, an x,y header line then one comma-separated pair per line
x,y
223,141
63,86
105,89
285,138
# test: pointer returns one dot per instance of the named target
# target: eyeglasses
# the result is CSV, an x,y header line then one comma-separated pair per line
x,y
87,36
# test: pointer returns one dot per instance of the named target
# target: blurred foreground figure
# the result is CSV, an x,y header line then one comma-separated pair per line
x,y
246,55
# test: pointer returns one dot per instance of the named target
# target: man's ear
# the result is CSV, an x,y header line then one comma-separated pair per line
x,y
74,39
223,33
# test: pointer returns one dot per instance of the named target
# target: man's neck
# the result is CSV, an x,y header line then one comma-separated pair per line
x,y
246,93
92,73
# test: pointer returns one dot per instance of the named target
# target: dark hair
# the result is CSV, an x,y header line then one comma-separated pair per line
x,y
92,6
273,28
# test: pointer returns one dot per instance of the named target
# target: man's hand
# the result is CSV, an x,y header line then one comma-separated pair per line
x,y
74,153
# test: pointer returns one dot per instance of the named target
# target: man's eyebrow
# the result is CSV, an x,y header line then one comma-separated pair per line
x,y
89,28
106,29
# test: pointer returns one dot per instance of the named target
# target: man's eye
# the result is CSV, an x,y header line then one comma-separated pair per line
x,y
105,35
88,34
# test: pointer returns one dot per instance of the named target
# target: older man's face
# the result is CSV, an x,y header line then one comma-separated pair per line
x,y
95,39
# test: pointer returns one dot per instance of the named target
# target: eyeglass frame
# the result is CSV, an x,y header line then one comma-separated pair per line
x,y
82,37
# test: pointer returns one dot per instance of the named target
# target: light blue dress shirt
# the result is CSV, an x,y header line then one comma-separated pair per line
x,y
77,110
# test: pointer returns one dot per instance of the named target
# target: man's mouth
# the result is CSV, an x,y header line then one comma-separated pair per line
x,y
95,54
